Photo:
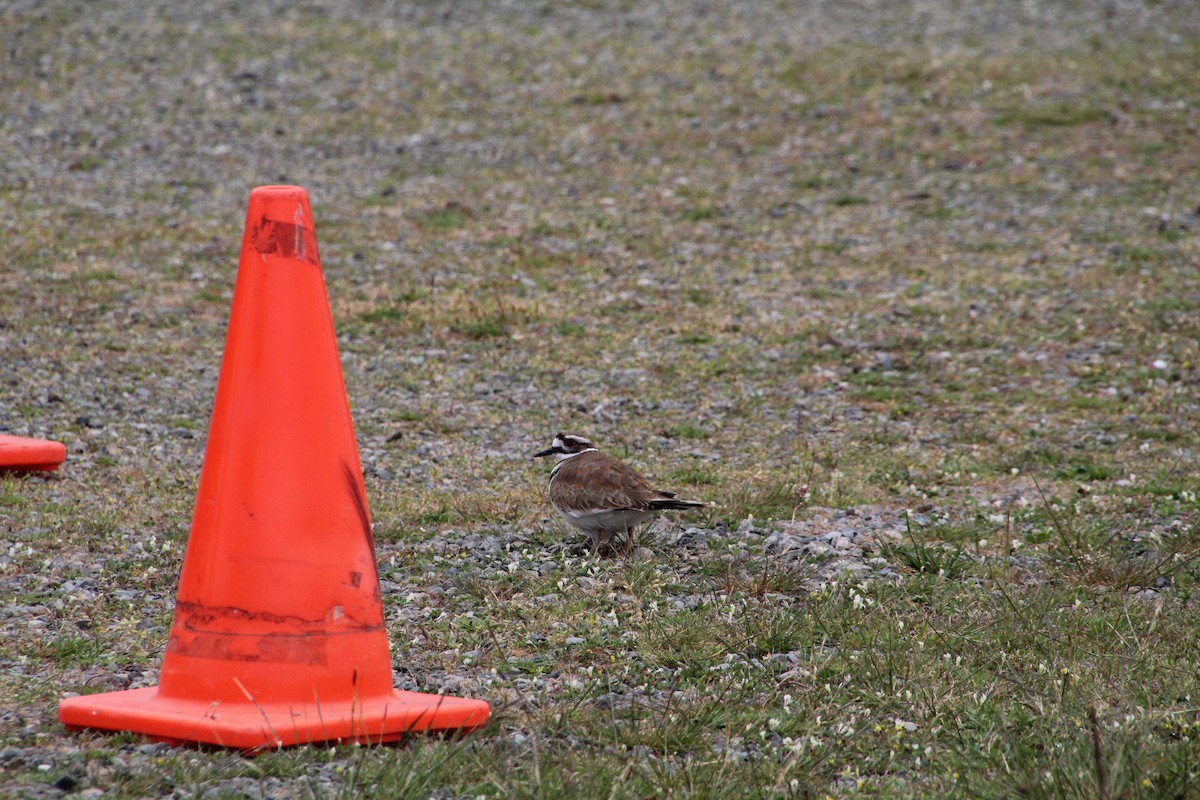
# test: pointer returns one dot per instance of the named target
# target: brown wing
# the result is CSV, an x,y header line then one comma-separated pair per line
x,y
595,481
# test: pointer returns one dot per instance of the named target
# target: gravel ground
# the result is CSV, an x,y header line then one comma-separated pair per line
x,y
130,135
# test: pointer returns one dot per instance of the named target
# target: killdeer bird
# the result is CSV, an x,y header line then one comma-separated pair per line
x,y
600,495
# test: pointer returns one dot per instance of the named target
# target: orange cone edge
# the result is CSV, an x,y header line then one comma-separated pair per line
x,y
278,636
19,453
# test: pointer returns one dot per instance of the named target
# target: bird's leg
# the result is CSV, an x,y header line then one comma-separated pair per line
x,y
629,541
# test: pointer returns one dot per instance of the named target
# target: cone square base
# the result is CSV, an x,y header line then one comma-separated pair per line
x,y
253,727
25,454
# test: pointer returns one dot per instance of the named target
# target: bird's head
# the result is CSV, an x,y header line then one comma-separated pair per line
x,y
566,445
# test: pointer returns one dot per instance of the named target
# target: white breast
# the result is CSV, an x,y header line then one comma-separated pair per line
x,y
606,519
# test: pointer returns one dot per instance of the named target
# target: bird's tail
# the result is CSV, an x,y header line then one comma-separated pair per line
x,y
671,504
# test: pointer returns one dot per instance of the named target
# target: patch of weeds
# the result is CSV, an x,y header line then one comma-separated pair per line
x,y
1039,456
644,578
544,228
1063,464
538,664
928,557
423,767
774,630
441,512
1133,258
74,650
481,328
1110,759
887,470
963,532
1173,234
937,212
664,730
382,314
474,585
779,499
1172,312
9,496
696,338
981,247
568,328
878,387
685,430
837,248
597,98
99,524
1147,188
86,164
1169,482
213,293
98,276
695,474
1083,469
761,577
411,294
686,641
879,394
1038,535
1088,402
843,200
1094,549
491,507
603,222
1053,115
700,213
484,320
449,217
812,183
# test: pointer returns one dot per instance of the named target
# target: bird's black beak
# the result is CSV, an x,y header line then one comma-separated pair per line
x,y
549,451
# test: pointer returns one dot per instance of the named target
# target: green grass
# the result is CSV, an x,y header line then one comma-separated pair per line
x,y
481,328
686,430
770,499
76,650
695,475
1054,116
453,215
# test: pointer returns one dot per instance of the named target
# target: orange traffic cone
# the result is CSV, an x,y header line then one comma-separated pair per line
x,y
20,453
278,637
